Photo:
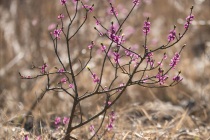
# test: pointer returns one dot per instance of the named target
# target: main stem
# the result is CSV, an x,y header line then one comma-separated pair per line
x,y
69,129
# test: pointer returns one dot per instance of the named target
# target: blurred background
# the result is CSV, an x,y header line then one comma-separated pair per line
x,y
25,27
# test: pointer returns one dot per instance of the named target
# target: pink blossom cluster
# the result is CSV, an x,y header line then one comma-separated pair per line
x,y
189,20
175,60
113,11
60,71
172,35
117,39
150,59
136,2
103,47
92,129
71,85
134,57
112,118
121,85
91,45
98,22
161,76
127,52
177,78
58,120
89,8
116,57
61,16
63,80
26,137
146,27
63,2
95,78
43,68
57,33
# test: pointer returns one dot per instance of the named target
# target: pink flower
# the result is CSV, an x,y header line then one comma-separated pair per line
x,y
113,11
65,120
60,70
116,57
92,129
63,80
189,20
160,64
61,16
113,29
146,27
134,56
172,35
103,47
71,85
118,39
128,52
131,54
186,25
98,22
63,2
175,60
91,45
161,77
165,56
112,32
43,68
57,33
177,78
90,8
110,126
57,121
112,118
150,60
121,85
95,78
26,137
136,2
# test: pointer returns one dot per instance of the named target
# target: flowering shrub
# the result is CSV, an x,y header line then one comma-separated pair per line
x,y
124,62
